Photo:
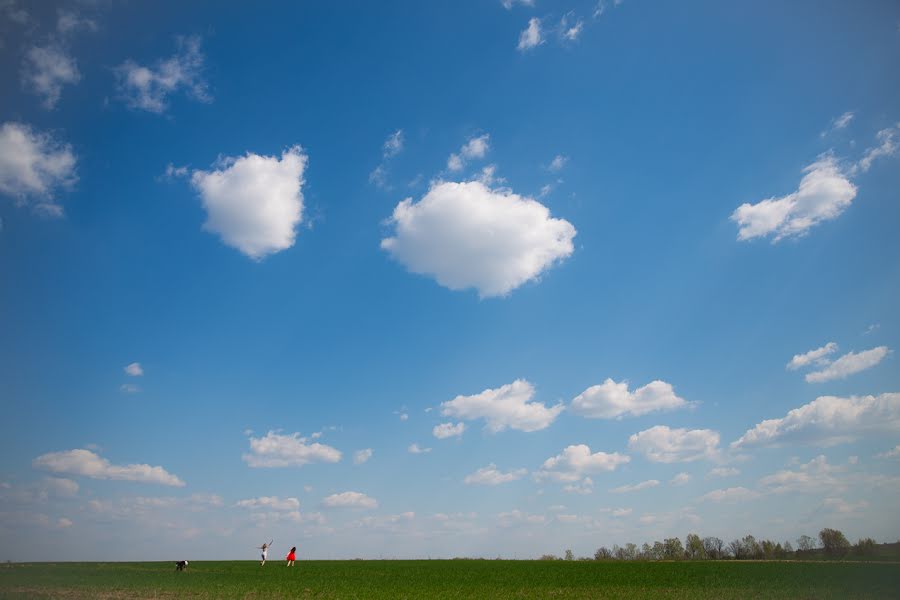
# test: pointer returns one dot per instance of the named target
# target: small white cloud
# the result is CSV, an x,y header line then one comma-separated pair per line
x,y
892,453
404,417
531,36
349,500
636,487
69,21
828,420
576,461
466,235
559,161
506,407
46,70
841,506
723,472
148,88
887,146
279,450
446,430
611,400
129,388
475,148
454,163
848,364
838,123
508,4
490,475
817,356
732,494
134,369
393,145
16,14
824,193
361,456
667,445
583,487
680,479
253,202
63,523
88,464
417,449
570,31
269,503
33,166
814,477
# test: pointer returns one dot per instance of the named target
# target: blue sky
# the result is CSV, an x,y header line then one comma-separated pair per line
x,y
585,258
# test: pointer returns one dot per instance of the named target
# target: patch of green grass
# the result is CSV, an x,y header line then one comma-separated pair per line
x,y
453,579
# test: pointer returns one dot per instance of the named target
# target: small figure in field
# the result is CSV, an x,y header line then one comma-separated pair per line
x,y
265,552
181,565
292,555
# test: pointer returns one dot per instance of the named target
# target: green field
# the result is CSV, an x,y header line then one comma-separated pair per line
x,y
453,579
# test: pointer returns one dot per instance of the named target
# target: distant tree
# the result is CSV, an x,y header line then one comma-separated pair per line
x,y
630,551
788,549
603,553
673,549
736,547
659,550
646,552
693,547
767,549
714,548
806,543
779,551
549,557
569,555
864,547
752,549
833,542
618,552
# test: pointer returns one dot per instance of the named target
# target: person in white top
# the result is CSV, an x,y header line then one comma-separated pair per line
x,y
265,552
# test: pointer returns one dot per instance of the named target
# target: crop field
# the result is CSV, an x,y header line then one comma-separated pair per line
x,y
453,579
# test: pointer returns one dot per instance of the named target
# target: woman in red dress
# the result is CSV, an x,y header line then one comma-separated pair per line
x,y
292,556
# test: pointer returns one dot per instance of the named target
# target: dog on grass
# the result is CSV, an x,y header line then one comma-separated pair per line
x,y
181,565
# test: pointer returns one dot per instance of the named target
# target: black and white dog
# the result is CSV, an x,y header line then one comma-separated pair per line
x,y
181,565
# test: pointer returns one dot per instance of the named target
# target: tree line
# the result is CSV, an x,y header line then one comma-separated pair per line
x,y
831,543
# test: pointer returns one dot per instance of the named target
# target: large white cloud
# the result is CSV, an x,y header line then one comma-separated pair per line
x,y
508,406
148,88
611,400
33,166
491,475
349,500
576,461
253,202
467,235
88,464
47,69
848,364
280,450
824,193
666,445
828,420
816,356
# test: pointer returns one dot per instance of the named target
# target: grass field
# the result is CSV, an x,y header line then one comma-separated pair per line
x,y
453,579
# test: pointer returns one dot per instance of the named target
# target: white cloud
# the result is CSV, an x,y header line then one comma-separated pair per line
x,y
393,145
148,88
279,450
666,445
680,479
508,4
87,464
816,476
583,487
611,400
69,21
490,475
817,356
467,235
838,123
531,35
253,202
46,70
404,417
887,146
723,472
134,369
508,406
517,517
559,161
475,147
269,503
824,193
848,364
361,456
33,166
839,505
577,461
445,430
732,494
417,449
828,420
15,14
455,163
349,500
129,388
636,487
570,32
892,453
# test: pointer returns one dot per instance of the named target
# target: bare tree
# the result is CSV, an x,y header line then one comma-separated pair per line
x,y
570,555
714,548
806,543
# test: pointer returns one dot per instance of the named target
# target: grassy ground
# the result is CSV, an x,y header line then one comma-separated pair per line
x,y
453,579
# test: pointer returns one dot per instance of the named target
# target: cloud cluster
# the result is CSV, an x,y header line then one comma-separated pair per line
x,y
253,202
349,500
611,400
33,166
828,420
85,463
577,461
148,88
848,364
467,235
46,70
506,407
475,147
666,445
491,475
280,450
269,503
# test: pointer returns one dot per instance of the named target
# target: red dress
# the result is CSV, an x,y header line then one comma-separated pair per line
x,y
291,556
